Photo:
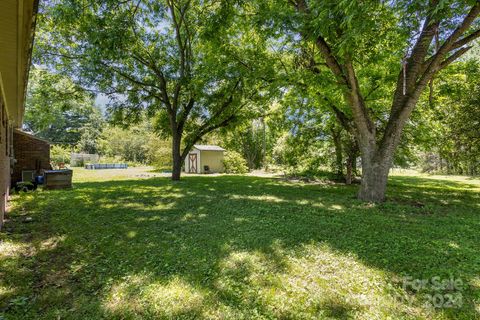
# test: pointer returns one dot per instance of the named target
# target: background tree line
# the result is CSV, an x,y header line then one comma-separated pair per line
x,y
65,114
294,136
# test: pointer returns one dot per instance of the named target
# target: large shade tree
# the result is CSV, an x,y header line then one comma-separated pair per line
x,y
61,112
192,65
396,45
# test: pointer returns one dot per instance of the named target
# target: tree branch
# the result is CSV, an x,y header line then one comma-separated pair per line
x,y
342,118
457,54
467,39
184,114
364,124
403,106
324,48
448,44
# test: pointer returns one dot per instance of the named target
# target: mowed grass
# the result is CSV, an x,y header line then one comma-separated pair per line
x,y
125,245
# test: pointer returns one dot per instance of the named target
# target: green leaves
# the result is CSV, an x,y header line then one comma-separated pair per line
x,y
193,65
447,126
60,111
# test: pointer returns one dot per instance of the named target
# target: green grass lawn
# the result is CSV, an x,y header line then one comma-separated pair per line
x,y
121,246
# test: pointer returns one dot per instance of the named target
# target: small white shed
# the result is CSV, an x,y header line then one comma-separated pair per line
x,y
204,159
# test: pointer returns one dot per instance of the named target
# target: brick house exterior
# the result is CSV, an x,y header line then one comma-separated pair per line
x,y
31,153
5,158
17,28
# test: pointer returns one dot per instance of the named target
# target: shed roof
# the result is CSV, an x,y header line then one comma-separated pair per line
x,y
205,147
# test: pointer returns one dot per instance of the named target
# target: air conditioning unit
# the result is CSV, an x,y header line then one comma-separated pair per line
x,y
28,175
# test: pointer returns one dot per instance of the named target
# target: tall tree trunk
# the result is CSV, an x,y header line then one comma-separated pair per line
x,y
354,165
374,178
351,164
264,144
176,157
349,174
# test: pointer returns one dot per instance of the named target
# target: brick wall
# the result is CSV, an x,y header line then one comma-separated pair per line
x,y
5,136
31,153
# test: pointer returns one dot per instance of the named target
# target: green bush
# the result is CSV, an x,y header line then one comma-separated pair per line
x,y
160,155
234,163
59,154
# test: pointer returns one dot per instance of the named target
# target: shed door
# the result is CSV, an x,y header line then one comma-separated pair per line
x,y
192,158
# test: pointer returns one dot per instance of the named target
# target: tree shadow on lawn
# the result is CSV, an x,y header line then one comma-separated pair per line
x,y
236,246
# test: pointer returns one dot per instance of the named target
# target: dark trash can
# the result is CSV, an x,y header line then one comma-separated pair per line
x,y
39,179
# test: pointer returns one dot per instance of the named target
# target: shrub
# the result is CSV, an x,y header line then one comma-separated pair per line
x,y
234,163
59,154
160,155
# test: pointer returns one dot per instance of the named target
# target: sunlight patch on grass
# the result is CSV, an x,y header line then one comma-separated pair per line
x,y
317,205
190,216
12,249
453,245
475,283
51,243
152,218
311,282
140,295
5,291
267,198
331,285
131,234
134,206
187,217
303,202
240,219
81,174
336,207
10,253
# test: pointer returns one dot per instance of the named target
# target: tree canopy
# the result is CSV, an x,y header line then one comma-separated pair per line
x,y
192,65
60,111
